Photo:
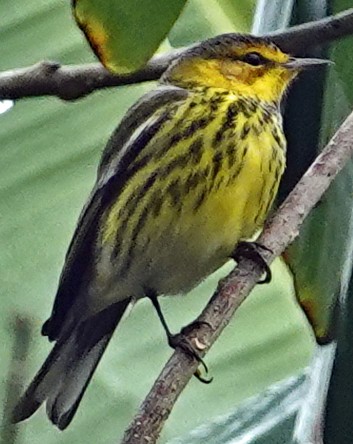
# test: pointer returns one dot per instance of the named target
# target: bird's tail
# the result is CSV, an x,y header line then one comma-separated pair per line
x,y
67,371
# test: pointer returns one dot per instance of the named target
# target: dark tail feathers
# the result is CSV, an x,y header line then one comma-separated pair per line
x,y
67,371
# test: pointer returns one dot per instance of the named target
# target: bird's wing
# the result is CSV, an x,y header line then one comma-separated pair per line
x,y
125,144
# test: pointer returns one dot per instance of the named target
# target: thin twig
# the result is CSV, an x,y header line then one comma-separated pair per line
x,y
72,82
280,231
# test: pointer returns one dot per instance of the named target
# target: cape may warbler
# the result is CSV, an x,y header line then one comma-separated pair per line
x,y
191,171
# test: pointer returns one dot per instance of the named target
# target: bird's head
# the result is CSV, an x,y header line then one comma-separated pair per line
x,y
247,65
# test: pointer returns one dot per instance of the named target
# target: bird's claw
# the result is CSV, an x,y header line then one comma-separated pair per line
x,y
180,341
250,250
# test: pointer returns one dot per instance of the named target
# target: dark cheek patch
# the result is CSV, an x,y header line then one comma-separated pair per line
x,y
253,73
243,72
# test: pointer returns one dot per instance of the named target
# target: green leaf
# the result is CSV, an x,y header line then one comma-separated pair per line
x,y
203,19
124,34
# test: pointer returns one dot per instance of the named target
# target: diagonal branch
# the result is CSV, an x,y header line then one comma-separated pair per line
x,y
279,232
73,82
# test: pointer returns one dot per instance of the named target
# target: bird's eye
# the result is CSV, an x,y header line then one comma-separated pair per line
x,y
254,59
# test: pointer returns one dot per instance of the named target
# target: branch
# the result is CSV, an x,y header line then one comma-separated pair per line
x,y
298,39
72,82
279,232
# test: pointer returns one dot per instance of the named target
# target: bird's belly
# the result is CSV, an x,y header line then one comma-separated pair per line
x,y
194,248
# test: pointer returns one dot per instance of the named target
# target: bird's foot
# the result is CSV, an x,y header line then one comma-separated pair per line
x,y
251,250
180,341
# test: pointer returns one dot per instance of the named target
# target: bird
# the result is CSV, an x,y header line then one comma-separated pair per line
x,y
185,180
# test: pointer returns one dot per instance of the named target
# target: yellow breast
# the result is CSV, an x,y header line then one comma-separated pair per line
x,y
237,207
220,162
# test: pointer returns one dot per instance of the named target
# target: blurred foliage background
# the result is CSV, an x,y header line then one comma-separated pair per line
x,y
49,153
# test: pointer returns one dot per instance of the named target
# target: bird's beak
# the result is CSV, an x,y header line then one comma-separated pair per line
x,y
294,63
